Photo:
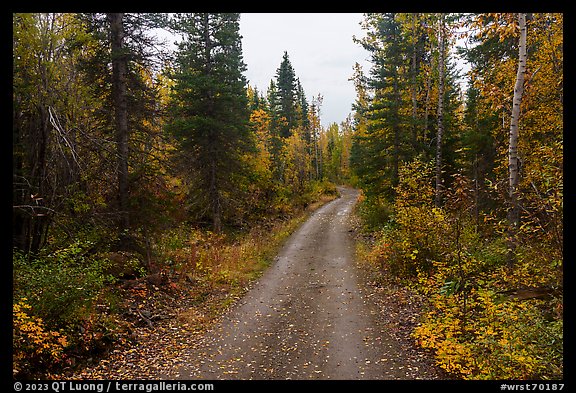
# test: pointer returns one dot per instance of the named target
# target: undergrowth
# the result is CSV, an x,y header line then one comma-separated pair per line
x,y
484,318
70,301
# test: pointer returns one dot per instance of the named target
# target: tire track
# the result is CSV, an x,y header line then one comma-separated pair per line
x,y
305,318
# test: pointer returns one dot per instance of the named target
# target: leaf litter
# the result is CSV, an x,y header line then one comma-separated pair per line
x,y
166,332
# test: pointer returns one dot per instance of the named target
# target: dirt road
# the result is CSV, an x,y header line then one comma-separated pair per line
x,y
306,317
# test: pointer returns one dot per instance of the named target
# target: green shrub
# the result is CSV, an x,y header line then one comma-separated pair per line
x,y
60,285
375,213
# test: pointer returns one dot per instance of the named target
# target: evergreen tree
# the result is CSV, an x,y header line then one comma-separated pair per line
x,y
303,110
209,110
386,140
395,120
359,118
117,67
255,99
287,96
289,111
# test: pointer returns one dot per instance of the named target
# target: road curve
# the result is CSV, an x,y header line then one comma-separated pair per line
x,y
305,318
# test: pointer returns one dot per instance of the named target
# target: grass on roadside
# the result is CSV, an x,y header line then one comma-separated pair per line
x,y
217,263
192,277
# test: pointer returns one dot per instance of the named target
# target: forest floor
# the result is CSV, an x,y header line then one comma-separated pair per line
x,y
314,314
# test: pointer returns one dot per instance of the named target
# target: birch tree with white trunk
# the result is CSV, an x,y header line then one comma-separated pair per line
x,y
513,158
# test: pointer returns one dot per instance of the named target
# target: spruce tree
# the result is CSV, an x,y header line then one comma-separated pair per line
x,y
386,138
209,110
287,96
303,111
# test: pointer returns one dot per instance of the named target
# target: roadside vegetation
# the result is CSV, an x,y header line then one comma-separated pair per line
x,y
77,305
152,185
457,205
145,176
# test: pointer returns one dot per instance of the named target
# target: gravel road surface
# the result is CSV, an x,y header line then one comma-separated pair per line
x,y
306,317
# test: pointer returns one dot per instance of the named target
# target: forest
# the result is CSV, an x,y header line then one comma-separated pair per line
x,y
136,166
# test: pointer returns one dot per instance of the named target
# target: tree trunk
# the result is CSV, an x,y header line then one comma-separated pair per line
x,y
215,198
426,110
513,160
413,87
214,188
119,89
39,169
396,129
396,118
440,132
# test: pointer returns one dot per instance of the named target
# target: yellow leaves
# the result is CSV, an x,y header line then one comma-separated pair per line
x,y
449,350
495,25
500,339
452,353
31,340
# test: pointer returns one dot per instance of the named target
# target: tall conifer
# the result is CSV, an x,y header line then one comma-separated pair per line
x,y
209,111
287,92
385,136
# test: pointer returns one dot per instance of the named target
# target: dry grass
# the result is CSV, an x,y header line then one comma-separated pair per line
x,y
222,264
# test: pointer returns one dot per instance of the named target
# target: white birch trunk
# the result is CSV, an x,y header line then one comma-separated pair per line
x,y
517,100
513,160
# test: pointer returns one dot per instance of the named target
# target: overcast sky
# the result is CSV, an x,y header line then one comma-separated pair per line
x,y
320,48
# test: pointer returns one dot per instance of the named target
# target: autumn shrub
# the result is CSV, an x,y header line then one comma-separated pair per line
x,y
480,334
473,323
60,285
416,231
33,345
59,290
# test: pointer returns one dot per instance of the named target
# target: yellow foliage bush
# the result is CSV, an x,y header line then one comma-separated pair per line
x,y
31,343
472,324
491,337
